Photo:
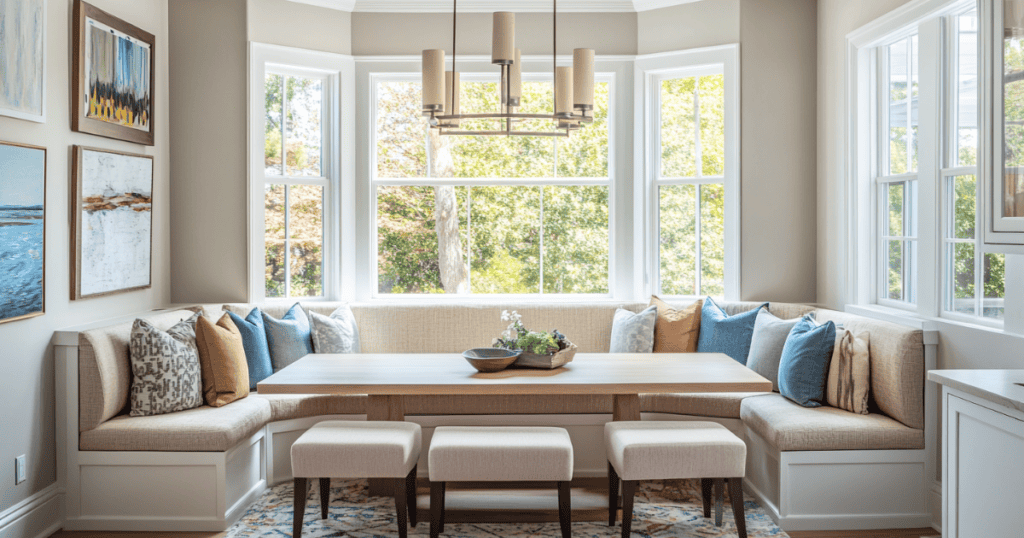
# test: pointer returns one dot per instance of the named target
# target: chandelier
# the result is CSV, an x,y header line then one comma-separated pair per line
x,y
573,86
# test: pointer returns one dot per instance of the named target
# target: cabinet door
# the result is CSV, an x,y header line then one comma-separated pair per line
x,y
984,473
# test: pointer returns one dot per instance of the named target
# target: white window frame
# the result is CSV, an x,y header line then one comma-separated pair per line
x,y
337,71
650,71
610,69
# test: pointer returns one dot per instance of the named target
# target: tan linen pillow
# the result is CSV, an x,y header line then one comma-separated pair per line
x,y
222,358
849,374
676,331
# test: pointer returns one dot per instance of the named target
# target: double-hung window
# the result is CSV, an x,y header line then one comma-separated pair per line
x,y
479,215
896,179
973,280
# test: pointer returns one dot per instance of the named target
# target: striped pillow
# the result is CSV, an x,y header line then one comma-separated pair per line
x,y
849,375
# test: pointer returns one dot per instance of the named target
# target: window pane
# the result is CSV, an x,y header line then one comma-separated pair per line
x,y
678,136
995,290
712,240
274,209
964,202
505,251
1013,120
898,108
585,153
966,144
913,104
895,270
895,205
401,131
273,145
964,300
711,92
678,239
576,239
409,259
303,126
306,240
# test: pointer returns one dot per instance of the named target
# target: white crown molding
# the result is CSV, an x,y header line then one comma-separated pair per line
x,y
488,6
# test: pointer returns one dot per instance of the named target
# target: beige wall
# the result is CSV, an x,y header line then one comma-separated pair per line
x,y
208,136
778,149
26,356
688,26
836,18
376,34
280,22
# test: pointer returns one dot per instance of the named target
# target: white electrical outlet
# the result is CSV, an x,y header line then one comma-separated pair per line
x,y
19,470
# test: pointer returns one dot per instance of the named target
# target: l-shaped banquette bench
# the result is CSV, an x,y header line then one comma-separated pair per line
x,y
199,470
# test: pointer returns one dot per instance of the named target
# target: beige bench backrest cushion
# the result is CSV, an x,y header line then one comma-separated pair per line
x,y
104,370
897,365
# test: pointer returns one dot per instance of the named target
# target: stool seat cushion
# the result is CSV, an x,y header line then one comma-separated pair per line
x,y
664,450
500,454
357,449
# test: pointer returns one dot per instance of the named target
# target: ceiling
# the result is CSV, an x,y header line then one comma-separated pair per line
x,y
487,6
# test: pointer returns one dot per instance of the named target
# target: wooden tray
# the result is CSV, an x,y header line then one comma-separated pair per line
x,y
547,362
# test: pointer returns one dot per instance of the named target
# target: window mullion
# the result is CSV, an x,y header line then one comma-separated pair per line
x,y
698,274
287,242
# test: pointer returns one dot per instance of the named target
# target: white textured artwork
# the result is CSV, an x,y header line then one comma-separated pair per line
x,y
115,222
22,58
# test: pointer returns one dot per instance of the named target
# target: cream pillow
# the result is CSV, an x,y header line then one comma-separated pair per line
x,y
849,374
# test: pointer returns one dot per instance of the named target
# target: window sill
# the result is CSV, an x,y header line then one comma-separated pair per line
x,y
917,321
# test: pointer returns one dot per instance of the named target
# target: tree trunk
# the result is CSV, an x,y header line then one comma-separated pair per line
x,y
454,275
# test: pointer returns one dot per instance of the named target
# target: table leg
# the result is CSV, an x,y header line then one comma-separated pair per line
x,y
388,408
626,407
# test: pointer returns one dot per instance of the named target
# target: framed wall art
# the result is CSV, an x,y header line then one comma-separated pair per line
x,y
22,231
112,222
112,77
23,59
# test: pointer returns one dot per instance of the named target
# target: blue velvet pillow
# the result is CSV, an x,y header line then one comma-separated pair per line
x,y
722,333
254,341
288,338
803,369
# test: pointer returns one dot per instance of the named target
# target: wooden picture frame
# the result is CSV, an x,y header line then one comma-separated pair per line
x,y
112,76
13,220
23,86
113,173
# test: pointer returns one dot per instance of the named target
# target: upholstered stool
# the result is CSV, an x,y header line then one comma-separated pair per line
x,y
357,449
499,454
658,450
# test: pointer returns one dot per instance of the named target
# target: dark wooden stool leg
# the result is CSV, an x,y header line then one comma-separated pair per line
x,y
444,502
325,497
613,494
705,493
565,509
401,507
719,494
628,492
299,506
410,492
436,508
736,495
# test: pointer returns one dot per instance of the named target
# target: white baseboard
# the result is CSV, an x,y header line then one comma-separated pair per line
x,y
38,516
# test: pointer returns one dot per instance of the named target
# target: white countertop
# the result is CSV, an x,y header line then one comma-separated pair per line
x,y
1003,387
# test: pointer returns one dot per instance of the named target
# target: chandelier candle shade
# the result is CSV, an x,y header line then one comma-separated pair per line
x,y
573,88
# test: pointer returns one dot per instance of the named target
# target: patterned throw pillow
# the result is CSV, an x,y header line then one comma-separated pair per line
x,y
165,368
803,370
288,338
335,334
222,359
633,333
676,330
849,375
766,343
722,333
254,340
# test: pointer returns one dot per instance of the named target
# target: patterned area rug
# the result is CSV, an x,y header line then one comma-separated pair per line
x,y
662,509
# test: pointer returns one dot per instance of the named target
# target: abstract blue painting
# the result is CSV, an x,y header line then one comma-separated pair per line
x,y
23,59
22,226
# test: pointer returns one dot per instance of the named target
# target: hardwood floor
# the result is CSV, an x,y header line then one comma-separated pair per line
x,y
911,533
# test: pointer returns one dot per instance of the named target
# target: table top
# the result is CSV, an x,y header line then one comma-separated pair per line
x,y
1004,387
449,373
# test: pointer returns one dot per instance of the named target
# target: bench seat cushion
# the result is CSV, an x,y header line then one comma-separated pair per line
x,y
204,429
710,404
292,406
790,427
